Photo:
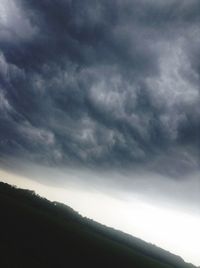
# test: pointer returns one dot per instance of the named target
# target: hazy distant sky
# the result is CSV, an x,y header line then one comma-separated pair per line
x,y
104,96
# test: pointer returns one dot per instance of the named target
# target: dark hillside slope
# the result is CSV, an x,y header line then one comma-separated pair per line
x,y
35,232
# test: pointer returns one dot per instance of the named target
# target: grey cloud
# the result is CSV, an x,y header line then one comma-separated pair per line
x,y
101,83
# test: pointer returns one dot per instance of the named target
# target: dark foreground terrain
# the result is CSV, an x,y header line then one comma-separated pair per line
x,y
35,232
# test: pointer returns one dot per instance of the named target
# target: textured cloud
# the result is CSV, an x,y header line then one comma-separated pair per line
x,y
101,83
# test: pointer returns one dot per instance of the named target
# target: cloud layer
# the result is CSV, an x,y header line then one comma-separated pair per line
x,y
104,84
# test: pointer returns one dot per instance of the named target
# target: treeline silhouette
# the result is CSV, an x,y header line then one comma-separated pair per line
x,y
35,232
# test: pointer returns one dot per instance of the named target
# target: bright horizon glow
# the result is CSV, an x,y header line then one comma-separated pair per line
x,y
169,229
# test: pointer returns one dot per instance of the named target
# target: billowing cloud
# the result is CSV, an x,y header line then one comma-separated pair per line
x,y
104,84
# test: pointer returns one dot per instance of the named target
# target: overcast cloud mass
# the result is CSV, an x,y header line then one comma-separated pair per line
x,y
101,84
105,95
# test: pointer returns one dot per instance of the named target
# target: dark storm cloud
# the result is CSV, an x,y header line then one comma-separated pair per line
x,y
101,83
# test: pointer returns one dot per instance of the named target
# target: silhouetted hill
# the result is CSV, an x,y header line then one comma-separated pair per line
x,y
38,233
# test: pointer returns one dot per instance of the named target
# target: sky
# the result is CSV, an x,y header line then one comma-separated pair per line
x,y
99,108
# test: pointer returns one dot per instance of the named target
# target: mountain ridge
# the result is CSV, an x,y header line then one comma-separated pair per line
x,y
75,236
